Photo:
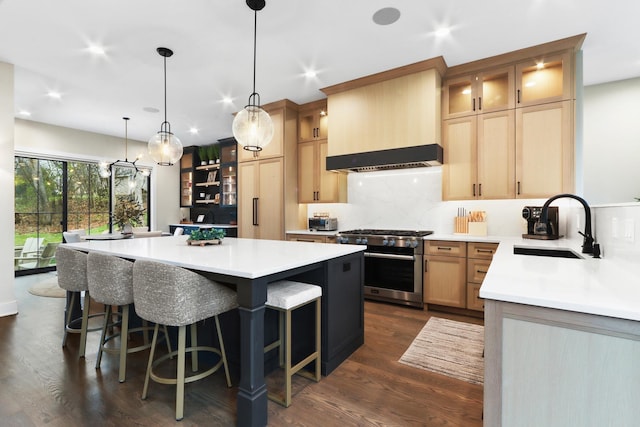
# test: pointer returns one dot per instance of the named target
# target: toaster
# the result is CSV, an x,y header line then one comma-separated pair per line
x,y
323,224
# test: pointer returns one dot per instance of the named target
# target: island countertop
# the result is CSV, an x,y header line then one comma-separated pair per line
x,y
248,258
606,286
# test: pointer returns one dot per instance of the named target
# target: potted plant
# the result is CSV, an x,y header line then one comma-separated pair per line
x,y
203,153
212,151
212,236
127,213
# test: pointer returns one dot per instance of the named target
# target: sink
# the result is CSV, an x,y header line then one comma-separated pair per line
x,y
548,252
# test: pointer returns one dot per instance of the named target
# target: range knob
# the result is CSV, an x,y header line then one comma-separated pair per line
x,y
364,241
414,243
407,244
392,242
385,242
358,240
343,239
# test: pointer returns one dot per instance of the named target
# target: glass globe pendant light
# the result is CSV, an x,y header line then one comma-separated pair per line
x,y
252,127
164,147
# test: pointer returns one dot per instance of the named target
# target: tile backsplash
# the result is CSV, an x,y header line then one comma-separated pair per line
x,y
411,199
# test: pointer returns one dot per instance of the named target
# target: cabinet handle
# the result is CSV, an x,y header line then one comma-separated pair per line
x,y
474,190
479,103
518,192
481,272
489,251
479,190
425,265
255,211
444,248
518,99
474,104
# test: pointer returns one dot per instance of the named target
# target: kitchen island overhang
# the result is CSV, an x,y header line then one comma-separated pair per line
x,y
251,265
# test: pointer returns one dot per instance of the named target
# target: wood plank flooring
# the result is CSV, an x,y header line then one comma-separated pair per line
x,y
42,384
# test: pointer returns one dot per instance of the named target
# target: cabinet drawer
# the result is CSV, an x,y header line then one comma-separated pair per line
x,y
474,302
445,248
477,269
306,238
481,250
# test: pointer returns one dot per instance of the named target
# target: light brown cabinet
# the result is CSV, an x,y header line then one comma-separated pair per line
x,y
299,237
313,121
267,183
445,268
518,147
316,183
479,157
546,79
477,93
479,256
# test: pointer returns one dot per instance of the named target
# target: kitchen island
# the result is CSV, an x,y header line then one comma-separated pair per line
x,y
250,265
562,338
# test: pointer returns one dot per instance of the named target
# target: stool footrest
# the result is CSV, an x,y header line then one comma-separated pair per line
x,y
189,379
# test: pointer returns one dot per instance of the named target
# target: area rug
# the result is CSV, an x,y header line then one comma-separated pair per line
x,y
450,348
48,288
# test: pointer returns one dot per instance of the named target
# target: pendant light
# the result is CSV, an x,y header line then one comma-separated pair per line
x,y
252,127
164,147
105,168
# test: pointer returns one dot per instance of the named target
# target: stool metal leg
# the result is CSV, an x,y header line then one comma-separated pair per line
x,y
103,335
151,354
124,338
85,324
223,353
182,338
68,319
194,343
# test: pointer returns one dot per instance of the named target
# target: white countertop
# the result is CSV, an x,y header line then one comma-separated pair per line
x,y
313,232
248,258
606,287
203,225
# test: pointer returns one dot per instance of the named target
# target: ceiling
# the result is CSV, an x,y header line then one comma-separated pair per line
x,y
212,40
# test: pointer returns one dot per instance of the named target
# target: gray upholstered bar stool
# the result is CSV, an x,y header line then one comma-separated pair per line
x,y
286,296
110,281
71,266
174,296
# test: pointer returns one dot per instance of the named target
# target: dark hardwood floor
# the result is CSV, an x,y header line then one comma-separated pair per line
x,y
42,384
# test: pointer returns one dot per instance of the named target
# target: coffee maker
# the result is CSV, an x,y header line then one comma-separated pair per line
x,y
532,215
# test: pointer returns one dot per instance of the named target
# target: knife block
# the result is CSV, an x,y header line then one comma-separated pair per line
x,y
461,225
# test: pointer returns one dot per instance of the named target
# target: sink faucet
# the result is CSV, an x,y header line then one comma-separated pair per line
x,y
541,226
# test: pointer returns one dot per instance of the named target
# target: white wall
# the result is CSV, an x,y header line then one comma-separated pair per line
x,y
41,139
8,303
612,142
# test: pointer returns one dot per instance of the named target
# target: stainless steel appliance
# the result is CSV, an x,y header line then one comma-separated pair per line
x,y
323,223
393,263
532,215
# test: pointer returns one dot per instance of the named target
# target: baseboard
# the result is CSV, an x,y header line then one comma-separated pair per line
x,y
8,308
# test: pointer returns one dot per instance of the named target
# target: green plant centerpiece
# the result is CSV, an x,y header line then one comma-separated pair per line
x,y
212,236
127,212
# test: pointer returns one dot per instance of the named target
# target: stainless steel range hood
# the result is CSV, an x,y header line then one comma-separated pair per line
x,y
396,158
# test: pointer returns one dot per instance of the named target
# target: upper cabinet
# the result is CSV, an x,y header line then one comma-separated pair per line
x,y
275,148
394,109
509,124
545,79
477,93
315,183
313,121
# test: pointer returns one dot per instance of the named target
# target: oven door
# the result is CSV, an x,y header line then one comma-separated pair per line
x,y
393,274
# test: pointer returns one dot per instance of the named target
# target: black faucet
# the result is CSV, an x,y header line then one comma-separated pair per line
x,y
541,225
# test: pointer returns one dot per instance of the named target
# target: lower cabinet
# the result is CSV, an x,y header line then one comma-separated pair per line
x,y
300,237
445,273
479,256
261,199
454,271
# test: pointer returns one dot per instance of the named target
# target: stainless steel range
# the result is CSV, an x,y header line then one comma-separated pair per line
x,y
393,263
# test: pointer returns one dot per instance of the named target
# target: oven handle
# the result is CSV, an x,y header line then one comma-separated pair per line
x,y
389,256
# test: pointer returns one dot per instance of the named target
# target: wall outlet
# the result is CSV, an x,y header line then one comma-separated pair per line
x,y
629,230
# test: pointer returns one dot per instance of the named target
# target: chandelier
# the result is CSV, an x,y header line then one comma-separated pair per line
x,y
105,168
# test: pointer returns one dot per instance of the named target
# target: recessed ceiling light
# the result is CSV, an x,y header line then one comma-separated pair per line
x,y
96,49
442,32
193,131
24,113
54,95
310,74
227,100
386,16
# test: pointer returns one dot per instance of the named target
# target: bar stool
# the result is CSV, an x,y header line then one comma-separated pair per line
x,y
110,281
174,296
71,266
286,296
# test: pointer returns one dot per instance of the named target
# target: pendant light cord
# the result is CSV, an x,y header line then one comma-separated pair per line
x,y
165,88
255,31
